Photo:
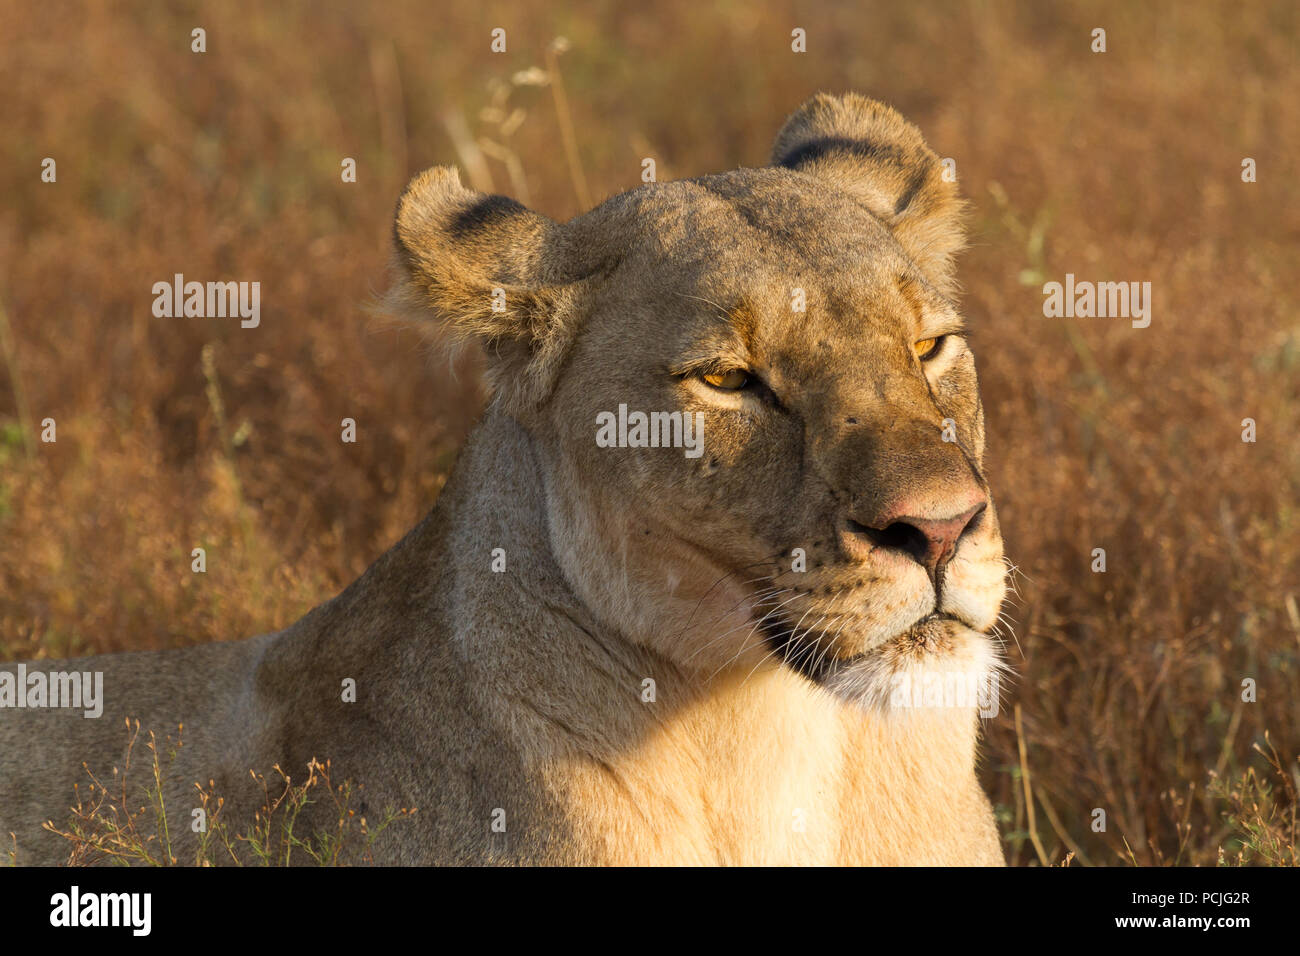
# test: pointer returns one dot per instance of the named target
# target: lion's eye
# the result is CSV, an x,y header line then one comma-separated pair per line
x,y
728,381
927,349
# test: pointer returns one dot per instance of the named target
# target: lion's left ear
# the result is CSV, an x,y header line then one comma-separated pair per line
x,y
867,149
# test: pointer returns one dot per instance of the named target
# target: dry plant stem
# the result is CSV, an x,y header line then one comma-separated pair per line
x,y
566,130
1029,793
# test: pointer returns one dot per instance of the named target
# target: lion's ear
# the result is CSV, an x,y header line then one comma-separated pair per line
x,y
869,150
485,268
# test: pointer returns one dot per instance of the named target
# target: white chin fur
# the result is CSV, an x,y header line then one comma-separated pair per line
x,y
963,674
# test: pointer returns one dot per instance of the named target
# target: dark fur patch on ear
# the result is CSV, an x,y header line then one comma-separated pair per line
x,y
913,187
862,149
869,150
486,268
817,148
486,212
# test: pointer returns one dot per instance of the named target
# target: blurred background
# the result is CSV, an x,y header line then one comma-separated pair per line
x,y
1123,165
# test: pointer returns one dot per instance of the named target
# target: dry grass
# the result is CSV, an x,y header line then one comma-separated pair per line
x,y
123,821
1124,165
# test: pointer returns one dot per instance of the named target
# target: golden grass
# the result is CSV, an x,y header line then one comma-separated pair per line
x,y
1123,165
124,822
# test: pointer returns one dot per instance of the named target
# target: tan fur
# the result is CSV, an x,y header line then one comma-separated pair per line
x,y
774,733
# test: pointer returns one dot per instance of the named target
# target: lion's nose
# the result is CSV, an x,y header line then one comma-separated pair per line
x,y
930,541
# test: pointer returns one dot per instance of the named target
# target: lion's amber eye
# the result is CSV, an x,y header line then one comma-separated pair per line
x,y
927,348
730,381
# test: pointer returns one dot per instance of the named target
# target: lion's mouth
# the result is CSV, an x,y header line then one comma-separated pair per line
x,y
811,652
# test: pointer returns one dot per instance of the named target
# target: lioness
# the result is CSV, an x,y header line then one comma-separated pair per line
x,y
617,652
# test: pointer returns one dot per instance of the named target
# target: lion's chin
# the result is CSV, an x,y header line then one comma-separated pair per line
x,y
938,663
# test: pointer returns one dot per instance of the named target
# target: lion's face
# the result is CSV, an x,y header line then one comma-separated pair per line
x,y
824,509
826,523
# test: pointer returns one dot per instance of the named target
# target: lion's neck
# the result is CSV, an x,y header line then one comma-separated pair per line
x,y
738,768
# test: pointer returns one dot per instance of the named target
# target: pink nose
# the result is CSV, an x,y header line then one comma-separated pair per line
x,y
937,539
930,540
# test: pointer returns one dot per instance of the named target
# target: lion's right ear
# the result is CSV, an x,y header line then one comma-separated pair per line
x,y
485,268
867,149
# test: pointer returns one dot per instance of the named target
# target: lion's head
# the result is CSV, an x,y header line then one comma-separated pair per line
x,y
833,517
